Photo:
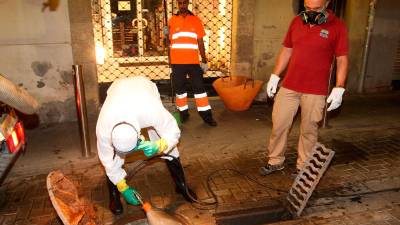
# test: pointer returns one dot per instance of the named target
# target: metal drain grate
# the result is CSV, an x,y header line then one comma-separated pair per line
x,y
308,178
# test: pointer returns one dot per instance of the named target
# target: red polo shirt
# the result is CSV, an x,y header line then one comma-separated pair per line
x,y
313,49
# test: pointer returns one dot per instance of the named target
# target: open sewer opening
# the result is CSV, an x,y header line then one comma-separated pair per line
x,y
251,216
138,222
254,216
132,219
153,218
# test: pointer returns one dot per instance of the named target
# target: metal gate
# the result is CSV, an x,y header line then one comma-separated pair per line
x,y
129,37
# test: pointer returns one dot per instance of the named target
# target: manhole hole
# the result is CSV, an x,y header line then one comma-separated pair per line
x,y
140,219
138,222
274,212
132,219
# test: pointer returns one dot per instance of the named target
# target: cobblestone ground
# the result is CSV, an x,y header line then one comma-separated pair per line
x,y
360,187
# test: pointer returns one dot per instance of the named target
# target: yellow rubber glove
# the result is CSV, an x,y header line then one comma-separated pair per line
x,y
152,148
162,145
122,186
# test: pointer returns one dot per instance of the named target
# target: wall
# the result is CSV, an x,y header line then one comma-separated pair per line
x,y
242,36
38,48
36,54
384,39
272,19
356,18
266,23
258,30
83,50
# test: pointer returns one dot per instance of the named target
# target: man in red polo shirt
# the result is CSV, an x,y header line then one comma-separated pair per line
x,y
186,35
315,38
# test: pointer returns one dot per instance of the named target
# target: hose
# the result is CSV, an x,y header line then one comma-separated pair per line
x,y
203,205
198,203
17,97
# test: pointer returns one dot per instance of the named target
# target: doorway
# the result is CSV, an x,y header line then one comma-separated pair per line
x,y
129,38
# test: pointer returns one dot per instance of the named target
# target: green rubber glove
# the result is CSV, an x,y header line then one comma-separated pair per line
x,y
151,148
127,192
130,197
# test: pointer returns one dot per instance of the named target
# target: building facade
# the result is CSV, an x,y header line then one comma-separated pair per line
x,y
112,39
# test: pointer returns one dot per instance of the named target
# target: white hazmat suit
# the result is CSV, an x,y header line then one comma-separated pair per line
x,y
136,101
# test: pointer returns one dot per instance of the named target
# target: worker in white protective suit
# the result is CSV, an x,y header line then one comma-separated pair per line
x,y
132,104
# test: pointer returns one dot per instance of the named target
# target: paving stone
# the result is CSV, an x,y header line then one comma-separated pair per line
x,y
38,207
41,220
24,211
48,207
56,221
366,157
296,222
331,221
240,195
8,208
226,186
8,219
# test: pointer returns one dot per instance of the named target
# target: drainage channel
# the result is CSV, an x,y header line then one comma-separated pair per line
x,y
140,219
254,216
132,219
298,196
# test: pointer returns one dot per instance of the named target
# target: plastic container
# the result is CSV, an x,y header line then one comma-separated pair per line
x,y
237,92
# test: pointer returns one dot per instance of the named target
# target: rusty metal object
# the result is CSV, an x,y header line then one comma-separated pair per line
x,y
308,178
81,110
70,208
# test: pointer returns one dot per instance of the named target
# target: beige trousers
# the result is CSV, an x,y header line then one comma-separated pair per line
x,y
285,108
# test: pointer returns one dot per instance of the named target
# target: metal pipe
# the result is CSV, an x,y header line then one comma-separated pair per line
x,y
325,119
81,110
167,43
371,19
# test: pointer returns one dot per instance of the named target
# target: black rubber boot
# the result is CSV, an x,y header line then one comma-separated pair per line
x,y
208,118
177,174
115,200
184,115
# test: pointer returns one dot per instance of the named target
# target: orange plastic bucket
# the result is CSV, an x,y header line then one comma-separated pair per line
x,y
237,92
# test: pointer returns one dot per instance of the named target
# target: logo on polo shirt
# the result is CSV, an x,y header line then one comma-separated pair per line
x,y
324,33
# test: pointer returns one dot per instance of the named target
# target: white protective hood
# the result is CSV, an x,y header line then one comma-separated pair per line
x,y
134,100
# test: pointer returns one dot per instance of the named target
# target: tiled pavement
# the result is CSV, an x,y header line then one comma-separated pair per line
x,y
365,136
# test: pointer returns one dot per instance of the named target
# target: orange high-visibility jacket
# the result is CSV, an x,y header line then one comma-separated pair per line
x,y
184,33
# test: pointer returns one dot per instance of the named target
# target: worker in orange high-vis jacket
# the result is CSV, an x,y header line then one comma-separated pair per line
x,y
186,34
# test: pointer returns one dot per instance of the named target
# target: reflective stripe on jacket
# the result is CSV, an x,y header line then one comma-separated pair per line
x,y
184,34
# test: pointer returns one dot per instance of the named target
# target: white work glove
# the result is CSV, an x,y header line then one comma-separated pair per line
x,y
335,98
204,67
166,31
272,85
